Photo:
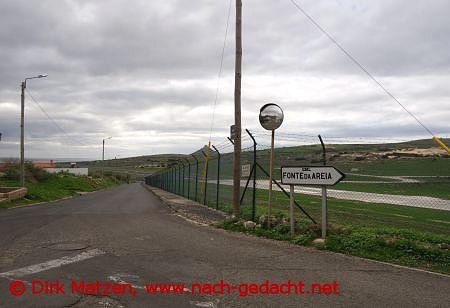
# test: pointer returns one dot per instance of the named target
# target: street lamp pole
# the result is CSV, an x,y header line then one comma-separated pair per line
x,y
103,156
22,127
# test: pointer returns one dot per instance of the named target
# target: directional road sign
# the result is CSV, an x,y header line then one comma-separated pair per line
x,y
311,175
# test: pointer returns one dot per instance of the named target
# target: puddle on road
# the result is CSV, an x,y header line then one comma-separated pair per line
x,y
69,246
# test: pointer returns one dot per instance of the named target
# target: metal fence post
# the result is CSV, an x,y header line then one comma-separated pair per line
x,y
254,176
206,178
179,179
218,176
196,176
286,193
184,167
189,179
166,178
173,179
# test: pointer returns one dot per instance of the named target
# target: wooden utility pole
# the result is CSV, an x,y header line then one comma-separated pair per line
x,y
237,112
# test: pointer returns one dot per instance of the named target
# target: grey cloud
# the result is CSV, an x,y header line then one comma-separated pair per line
x,y
111,61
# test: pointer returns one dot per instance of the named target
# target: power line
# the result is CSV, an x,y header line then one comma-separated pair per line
x,y
355,61
219,76
51,119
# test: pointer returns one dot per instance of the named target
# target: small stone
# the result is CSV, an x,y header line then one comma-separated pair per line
x,y
264,221
249,225
444,246
318,242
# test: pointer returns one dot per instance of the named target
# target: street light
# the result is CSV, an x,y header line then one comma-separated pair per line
x,y
271,116
22,120
103,156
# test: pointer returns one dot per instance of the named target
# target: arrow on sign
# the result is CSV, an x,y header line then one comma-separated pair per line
x,y
311,175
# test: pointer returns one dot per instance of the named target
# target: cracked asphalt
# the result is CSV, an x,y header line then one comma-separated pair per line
x,y
137,240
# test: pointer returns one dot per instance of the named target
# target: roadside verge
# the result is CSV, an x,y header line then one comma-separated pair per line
x,y
400,247
188,209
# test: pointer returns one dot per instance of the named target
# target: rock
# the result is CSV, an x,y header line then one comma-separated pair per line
x,y
233,218
264,221
249,225
238,222
444,246
286,221
319,242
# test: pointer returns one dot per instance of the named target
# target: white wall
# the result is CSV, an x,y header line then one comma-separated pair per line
x,y
76,171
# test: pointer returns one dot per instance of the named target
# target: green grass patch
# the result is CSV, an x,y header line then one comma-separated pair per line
x,y
55,187
438,190
431,166
399,246
394,245
355,213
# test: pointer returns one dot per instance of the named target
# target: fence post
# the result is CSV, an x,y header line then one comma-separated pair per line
x,y
196,176
184,167
169,180
166,179
254,176
286,193
174,179
206,178
179,178
218,176
189,179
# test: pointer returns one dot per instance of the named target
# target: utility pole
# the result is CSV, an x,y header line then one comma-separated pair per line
x,y
23,86
237,112
103,156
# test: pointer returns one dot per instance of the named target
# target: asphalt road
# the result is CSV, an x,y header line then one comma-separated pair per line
x,y
126,235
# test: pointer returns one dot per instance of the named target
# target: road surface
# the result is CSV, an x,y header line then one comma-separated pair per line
x,y
125,235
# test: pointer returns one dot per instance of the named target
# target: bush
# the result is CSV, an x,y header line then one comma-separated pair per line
x,y
33,174
37,173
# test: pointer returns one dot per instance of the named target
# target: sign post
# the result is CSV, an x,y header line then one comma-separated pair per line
x,y
324,212
291,210
271,117
311,175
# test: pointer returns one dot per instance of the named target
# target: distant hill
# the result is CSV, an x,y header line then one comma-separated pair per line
x,y
151,162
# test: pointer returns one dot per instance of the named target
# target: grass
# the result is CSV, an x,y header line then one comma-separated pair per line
x,y
402,235
353,213
431,166
438,190
54,187
395,245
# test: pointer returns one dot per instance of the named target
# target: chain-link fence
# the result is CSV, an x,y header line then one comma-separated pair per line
x,y
405,184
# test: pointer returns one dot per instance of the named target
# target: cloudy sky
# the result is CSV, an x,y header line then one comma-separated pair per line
x,y
145,72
